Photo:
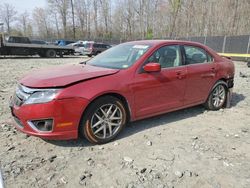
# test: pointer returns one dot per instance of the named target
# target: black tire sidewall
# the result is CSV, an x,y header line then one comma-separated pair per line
x,y
51,53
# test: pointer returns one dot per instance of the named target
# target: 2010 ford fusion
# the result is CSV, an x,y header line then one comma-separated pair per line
x,y
128,82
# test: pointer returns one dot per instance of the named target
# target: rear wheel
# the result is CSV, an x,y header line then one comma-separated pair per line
x,y
217,97
103,120
61,54
51,53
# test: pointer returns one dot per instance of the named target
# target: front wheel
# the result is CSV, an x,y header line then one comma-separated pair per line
x,y
103,120
217,97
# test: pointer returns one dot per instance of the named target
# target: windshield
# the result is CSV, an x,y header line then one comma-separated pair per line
x,y
119,57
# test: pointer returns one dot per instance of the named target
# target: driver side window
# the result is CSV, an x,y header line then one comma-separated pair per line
x,y
167,56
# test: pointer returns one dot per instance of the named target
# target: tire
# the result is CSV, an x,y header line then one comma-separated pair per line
x,y
61,54
217,97
95,124
50,53
89,55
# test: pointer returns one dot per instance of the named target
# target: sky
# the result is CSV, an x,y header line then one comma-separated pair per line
x,y
22,5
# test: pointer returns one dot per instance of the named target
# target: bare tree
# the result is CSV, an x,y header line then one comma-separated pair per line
x,y
62,6
105,14
133,19
83,13
73,18
8,14
24,22
175,8
96,7
235,17
40,17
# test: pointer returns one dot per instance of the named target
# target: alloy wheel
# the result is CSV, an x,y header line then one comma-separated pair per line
x,y
106,121
218,96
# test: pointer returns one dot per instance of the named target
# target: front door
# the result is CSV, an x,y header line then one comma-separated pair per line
x,y
159,92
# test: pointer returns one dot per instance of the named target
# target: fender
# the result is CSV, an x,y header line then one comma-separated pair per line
x,y
229,89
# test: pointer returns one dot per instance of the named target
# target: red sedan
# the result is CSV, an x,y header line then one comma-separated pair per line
x,y
128,82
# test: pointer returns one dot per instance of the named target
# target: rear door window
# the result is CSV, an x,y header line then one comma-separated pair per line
x,y
196,55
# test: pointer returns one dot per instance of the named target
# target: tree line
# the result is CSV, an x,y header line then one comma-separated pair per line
x,y
128,19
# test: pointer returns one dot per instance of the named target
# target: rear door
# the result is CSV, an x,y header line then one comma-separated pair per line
x,y
201,72
158,92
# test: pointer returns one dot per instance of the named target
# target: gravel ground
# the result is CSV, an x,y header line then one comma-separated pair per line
x,y
187,148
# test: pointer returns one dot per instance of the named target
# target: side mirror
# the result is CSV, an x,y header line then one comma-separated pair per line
x,y
152,67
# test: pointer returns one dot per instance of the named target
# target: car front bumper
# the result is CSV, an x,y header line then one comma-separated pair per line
x,y
65,113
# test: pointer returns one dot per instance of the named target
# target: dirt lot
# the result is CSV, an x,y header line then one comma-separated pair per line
x,y
187,148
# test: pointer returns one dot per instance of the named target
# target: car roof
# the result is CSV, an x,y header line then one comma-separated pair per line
x,y
159,42
155,43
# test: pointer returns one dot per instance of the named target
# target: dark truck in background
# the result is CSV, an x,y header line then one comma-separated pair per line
x,y
14,45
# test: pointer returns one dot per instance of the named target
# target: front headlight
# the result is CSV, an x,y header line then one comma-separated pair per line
x,y
42,96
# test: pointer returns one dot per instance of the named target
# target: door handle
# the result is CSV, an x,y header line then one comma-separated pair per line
x,y
213,69
179,74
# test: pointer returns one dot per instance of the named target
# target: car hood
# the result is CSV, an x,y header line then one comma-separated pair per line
x,y
66,75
